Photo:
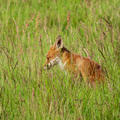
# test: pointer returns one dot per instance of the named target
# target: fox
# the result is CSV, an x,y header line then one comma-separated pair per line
x,y
75,64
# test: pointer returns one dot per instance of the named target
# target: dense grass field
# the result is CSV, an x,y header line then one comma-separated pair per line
x,y
27,30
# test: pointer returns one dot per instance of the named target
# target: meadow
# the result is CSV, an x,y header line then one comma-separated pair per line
x,y
27,30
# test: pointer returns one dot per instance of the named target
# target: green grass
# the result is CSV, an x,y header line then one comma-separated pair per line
x,y
27,30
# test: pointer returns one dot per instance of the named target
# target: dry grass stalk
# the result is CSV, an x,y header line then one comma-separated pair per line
x,y
68,20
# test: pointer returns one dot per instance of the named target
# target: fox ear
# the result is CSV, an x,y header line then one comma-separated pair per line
x,y
59,42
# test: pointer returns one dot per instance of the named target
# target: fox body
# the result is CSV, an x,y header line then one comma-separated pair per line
x,y
73,63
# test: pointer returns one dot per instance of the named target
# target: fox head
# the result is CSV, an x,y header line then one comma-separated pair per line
x,y
53,55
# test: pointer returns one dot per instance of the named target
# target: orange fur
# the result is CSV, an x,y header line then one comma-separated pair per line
x,y
76,64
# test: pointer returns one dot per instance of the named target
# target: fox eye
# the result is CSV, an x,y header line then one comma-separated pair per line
x,y
48,58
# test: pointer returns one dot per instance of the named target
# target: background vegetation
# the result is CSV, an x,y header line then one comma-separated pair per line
x,y
27,30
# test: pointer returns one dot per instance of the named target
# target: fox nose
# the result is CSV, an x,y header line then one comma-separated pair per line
x,y
46,67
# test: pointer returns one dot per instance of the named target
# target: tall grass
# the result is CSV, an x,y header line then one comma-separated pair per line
x,y
27,30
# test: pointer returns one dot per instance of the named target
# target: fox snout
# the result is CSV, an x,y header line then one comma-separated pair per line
x,y
51,63
47,66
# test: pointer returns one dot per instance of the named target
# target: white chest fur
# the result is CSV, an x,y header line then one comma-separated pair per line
x,y
61,64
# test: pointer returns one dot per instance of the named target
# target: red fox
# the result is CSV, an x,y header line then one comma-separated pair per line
x,y
73,63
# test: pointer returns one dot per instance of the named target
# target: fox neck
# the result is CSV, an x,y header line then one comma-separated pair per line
x,y
63,57
61,64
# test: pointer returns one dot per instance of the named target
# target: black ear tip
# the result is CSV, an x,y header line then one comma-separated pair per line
x,y
59,37
59,41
